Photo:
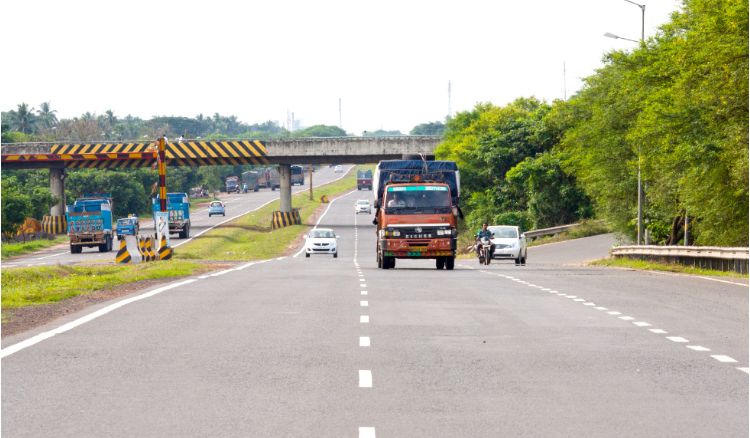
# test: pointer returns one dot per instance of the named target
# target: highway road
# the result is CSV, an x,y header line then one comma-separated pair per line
x,y
236,204
319,346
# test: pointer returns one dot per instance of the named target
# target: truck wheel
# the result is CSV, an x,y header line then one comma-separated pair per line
x,y
440,262
307,255
75,249
380,261
450,263
109,244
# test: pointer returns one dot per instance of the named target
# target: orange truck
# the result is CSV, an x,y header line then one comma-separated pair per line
x,y
416,211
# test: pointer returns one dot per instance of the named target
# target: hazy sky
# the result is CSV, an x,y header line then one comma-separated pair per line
x,y
388,61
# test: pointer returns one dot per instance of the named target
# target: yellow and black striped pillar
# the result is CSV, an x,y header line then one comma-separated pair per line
x,y
283,219
54,225
123,256
162,175
165,252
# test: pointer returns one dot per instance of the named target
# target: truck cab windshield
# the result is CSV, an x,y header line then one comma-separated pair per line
x,y
417,199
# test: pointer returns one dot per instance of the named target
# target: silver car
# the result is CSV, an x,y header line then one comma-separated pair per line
x,y
362,206
509,243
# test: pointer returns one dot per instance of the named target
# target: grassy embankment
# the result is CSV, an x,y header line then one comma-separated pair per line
x,y
666,267
250,237
16,249
48,284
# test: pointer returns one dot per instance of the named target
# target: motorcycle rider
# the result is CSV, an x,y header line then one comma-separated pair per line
x,y
484,232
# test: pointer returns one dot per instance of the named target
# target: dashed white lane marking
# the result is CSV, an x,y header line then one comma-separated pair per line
x,y
362,279
367,432
658,331
723,358
589,304
698,348
364,292
571,296
579,300
627,318
364,341
744,369
364,319
600,308
365,379
362,285
363,303
677,339
642,324
614,312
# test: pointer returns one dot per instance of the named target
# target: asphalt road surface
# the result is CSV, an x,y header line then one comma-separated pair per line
x,y
236,204
330,347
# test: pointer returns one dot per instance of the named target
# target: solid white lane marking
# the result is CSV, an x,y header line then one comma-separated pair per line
x,y
216,274
642,324
84,319
677,339
723,358
52,255
364,341
365,379
658,331
202,277
614,312
367,432
627,318
698,348
364,319
363,303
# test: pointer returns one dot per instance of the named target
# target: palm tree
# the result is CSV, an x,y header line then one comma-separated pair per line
x,y
23,119
47,117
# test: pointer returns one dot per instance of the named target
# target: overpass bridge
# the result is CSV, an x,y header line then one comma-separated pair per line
x,y
283,152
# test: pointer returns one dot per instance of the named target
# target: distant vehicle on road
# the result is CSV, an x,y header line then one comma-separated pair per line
x,y
127,226
364,179
178,206
269,177
321,241
298,175
338,169
362,206
90,223
232,184
216,207
509,243
250,178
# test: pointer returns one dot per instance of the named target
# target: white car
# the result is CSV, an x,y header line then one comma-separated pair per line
x,y
509,243
362,206
338,169
321,241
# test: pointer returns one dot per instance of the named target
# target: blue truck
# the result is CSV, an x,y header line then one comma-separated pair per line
x,y
127,226
178,206
90,223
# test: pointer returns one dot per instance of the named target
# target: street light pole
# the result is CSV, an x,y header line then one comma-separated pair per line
x,y
640,185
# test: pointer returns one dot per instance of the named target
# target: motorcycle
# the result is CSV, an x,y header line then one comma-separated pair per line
x,y
485,250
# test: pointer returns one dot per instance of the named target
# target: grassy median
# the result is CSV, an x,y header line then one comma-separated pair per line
x,y
250,237
9,249
49,284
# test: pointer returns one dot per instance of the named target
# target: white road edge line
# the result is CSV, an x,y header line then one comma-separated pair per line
x,y
5,352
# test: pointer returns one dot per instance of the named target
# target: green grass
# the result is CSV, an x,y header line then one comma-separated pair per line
x,y
49,284
16,249
623,262
250,237
584,229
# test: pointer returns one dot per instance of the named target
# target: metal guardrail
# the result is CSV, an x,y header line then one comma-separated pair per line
x,y
533,234
709,257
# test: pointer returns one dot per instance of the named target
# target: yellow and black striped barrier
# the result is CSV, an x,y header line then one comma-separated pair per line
x,y
150,248
54,225
283,219
165,252
123,256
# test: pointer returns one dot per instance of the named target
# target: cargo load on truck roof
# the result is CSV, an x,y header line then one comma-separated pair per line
x,y
403,170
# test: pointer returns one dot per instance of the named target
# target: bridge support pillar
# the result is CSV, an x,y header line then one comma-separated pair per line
x,y
57,187
285,187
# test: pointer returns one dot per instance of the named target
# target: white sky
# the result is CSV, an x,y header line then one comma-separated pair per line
x,y
388,61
